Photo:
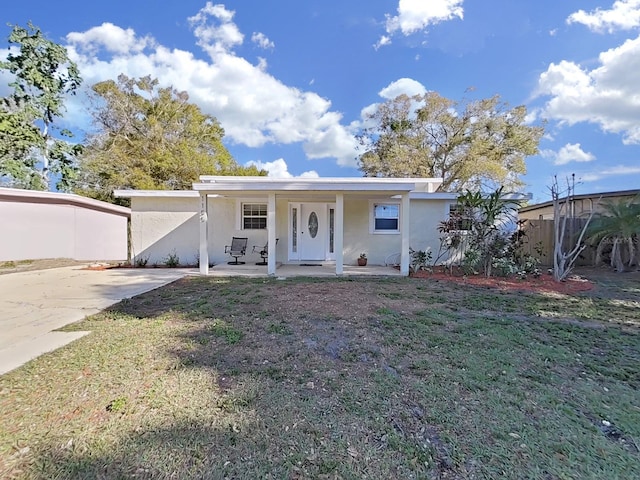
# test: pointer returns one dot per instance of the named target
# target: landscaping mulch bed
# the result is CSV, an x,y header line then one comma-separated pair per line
x,y
543,283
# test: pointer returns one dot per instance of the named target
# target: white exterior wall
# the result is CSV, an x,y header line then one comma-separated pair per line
x,y
56,225
425,215
357,238
224,223
99,236
162,226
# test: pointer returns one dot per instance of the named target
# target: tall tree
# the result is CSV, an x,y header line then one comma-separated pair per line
x,y
43,75
150,138
475,145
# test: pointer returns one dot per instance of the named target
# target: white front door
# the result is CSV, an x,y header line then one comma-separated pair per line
x,y
313,231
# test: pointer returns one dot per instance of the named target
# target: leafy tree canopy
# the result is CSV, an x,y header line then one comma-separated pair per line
x,y
43,75
475,145
150,138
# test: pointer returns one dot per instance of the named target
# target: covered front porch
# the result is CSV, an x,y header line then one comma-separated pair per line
x,y
291,211
302,270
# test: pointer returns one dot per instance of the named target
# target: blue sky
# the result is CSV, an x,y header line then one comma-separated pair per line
x,y
290,80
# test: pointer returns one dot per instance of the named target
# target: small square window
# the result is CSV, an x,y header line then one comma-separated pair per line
x,y
386,217
254,216
460,218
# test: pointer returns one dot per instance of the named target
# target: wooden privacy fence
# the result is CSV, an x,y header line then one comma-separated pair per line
x,y
539,240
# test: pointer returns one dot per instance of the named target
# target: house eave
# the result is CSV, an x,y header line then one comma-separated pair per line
x,y
36,196
357,184
156,193
433,196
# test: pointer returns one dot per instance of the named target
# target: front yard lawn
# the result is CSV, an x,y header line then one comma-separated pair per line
x,y
334,378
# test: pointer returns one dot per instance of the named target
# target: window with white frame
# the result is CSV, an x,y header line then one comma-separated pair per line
x,y
254,216
385,218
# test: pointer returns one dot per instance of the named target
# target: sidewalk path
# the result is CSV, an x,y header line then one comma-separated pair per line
x,y
34,303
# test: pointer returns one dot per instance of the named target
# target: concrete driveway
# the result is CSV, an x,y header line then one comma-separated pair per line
x,y
33,304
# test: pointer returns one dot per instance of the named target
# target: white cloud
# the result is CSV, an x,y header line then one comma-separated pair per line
x,y
217,37
621,170
402,86
406,86
262,41
335,138
254,107
571,152
384,40
262,64
416,15
589,177
615,171
111,38
279,169
624,15
608,95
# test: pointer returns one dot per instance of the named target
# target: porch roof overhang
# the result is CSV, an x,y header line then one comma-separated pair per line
x,y
356,185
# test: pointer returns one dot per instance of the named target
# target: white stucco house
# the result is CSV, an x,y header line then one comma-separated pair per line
x,y
325,220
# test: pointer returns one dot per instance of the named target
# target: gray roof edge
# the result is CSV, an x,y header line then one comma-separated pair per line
x,y
584,196
156,193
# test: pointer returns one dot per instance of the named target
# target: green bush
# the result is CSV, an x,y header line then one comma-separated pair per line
x,y
172,260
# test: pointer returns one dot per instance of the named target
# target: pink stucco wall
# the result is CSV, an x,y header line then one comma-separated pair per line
x,y
57,225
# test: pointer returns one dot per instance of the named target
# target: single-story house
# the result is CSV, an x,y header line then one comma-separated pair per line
x,y
580,206
327,220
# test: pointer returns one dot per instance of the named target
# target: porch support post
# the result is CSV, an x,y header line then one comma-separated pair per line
x,y
405,231
338,234
204,240
271,234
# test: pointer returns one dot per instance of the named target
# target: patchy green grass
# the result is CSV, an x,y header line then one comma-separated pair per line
x,y
14,263
334,378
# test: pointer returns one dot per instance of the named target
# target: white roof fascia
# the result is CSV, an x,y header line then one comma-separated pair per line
x,y
229,179
433,196
218,183
155,193
304,186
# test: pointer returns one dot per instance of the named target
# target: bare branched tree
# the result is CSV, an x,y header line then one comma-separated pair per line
x,y
564,261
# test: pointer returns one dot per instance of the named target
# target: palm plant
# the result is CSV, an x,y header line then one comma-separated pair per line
x,y
619,227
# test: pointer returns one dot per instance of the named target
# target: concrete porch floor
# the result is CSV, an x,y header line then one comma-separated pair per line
x,y
324,269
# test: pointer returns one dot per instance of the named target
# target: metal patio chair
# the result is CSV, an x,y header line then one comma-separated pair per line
x,y
237,249
263,251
